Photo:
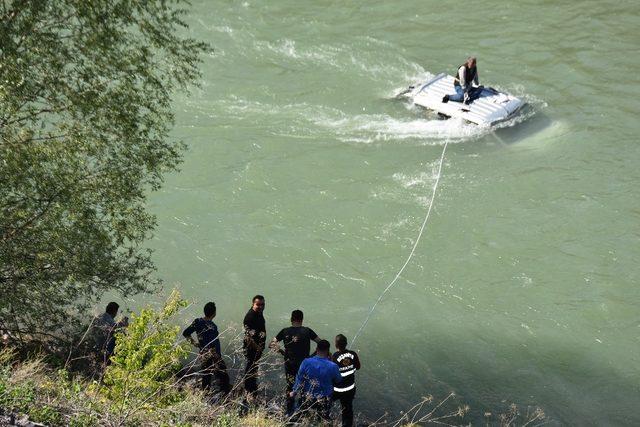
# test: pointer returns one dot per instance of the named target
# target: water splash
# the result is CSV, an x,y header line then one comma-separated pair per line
x,y
368,128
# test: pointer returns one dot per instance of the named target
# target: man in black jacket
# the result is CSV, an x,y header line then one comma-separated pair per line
x,y
255,333
348,363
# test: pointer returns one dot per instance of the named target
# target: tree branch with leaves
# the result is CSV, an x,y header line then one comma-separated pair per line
x,y
85,116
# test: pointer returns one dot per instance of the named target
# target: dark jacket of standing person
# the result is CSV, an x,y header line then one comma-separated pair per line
x,y
255,335
345,390
207,333
297,347
211,362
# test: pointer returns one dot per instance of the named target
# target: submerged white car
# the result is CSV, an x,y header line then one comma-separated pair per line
x,y
487,109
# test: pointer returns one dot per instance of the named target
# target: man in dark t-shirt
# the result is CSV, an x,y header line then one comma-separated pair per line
x,y
211,362
297,346
255,335
348,363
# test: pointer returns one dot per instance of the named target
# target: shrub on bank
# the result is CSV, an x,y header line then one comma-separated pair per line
x,y
141,376
139,387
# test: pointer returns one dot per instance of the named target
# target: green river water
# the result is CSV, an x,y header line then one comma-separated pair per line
x,y
306,182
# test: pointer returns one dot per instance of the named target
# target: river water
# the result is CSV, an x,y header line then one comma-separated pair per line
x,y
306,182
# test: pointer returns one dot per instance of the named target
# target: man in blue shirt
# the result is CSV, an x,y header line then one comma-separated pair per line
x,y
211,362
315,380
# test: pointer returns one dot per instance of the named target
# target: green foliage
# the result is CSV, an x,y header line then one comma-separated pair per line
x,y
20,397
17,394
227,420
83,420
146,357
45,415
138,389
85,112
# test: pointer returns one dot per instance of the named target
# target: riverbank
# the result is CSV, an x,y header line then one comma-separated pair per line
x,y
146,384
34,393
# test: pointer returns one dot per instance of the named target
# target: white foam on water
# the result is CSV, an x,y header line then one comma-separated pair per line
x,y
305,119
348,58
418,184
389,67
377,41
420,180
222,29
370,128
391,227
322,54
309,120
414,188
239,104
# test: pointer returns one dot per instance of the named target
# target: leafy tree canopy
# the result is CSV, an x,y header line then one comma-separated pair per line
x,y
85,112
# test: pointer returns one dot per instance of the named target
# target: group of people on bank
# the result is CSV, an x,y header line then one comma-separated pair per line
x,y
314,381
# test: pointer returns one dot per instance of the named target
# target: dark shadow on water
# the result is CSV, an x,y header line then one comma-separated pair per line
x,y
571,385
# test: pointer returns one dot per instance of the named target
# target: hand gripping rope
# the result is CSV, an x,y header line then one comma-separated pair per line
x,y
413,249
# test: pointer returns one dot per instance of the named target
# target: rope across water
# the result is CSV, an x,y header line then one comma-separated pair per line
x,y
413,249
